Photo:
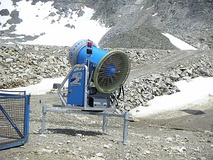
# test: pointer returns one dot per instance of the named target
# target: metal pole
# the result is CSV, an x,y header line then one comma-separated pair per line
x,y
105,121
44,112
106,115
125,129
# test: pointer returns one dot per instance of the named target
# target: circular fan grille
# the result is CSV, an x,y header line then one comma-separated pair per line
x,y
111,71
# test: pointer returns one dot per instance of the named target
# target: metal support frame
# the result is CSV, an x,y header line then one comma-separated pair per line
x,y
105,115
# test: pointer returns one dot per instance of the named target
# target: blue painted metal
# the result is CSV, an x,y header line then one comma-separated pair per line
x,y
76,48
76,87
7,141
95,57
27,118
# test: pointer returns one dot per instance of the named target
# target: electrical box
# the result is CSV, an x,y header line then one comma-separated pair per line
x,y
99,100
76,87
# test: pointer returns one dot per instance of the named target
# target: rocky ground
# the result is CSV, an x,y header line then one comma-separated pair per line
x,y
22,65
181,134
153,72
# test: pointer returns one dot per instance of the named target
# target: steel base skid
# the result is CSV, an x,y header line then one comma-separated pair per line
x,y
105,115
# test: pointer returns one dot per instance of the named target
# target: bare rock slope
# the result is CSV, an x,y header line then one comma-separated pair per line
x,y
153,72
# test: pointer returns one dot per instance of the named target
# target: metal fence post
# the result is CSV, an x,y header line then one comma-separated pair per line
x,y
44,112
105,121
125,129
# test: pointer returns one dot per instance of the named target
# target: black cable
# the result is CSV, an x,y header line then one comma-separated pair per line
x,y
119,93
112,96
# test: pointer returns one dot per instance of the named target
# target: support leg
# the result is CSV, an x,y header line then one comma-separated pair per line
x,y
105,121
125,129
44,112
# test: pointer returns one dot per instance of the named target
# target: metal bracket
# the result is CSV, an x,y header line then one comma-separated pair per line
x,y
105,115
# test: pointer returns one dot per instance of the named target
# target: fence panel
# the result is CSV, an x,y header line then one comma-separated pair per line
x,y
14,118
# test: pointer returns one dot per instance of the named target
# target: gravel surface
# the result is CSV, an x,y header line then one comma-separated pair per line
x,y
71,136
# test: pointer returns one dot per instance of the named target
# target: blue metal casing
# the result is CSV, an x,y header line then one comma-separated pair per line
x,y
95,57
76,87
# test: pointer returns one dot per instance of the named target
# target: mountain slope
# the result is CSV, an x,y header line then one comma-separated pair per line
x,y
140,37
190,20
133,23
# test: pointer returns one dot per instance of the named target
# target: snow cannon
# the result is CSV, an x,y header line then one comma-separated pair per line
x,y
96,80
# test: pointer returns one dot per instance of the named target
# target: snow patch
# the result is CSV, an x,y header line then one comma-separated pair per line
x,y
179,43
37,21
154,14
45,86
197,91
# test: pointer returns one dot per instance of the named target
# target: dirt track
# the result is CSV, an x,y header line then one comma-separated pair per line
x,y
166,61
